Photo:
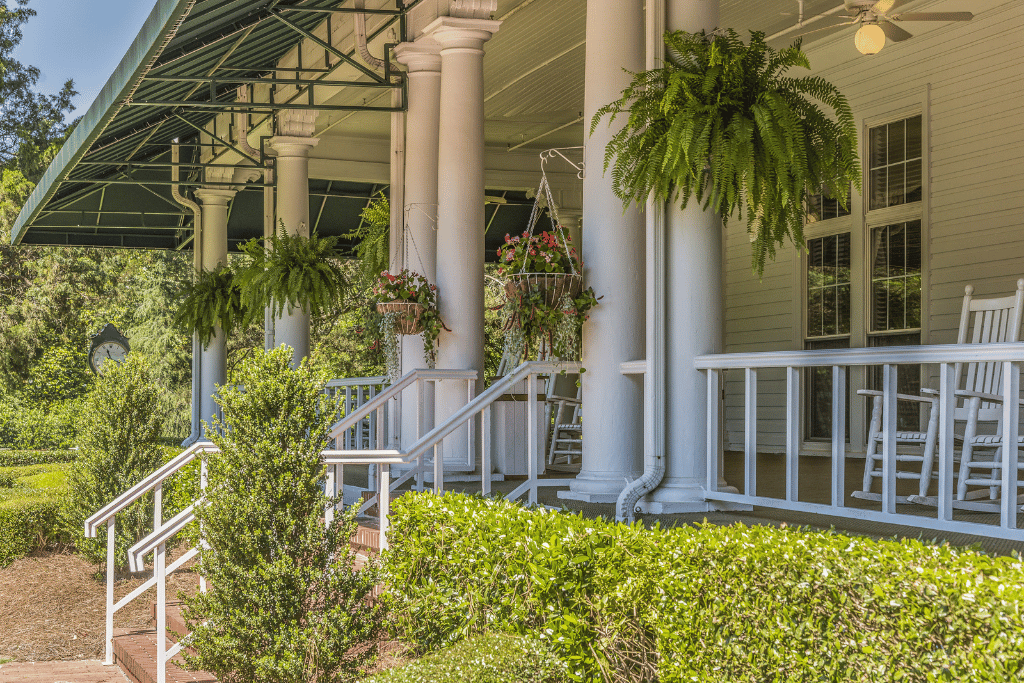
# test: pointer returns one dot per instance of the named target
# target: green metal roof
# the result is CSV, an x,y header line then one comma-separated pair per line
x,y
109,185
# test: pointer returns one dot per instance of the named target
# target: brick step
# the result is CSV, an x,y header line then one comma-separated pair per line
x,y
135,654
135,649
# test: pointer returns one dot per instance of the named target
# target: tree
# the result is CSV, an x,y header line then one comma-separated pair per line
x,y
285,604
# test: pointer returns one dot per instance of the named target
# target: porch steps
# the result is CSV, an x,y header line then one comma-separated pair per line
x,y
135,648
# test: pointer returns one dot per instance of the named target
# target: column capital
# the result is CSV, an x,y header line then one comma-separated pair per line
x,y
296,122
457,34
293,145
421,55
210,196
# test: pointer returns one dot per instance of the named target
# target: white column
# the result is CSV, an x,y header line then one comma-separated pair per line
x,y
460,211
293,144
419,215
613,256
694,302
215,254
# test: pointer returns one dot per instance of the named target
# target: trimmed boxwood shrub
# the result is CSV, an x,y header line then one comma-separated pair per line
x,y
704,603
30,507
19,458
491,658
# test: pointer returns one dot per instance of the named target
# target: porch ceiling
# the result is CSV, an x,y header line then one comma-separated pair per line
x,y
110,183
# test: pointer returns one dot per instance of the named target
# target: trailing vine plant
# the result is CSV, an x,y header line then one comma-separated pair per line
x,y
720,121
212,299
291,271
533,315
407,287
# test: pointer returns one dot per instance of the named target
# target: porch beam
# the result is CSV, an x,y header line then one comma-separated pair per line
x,y
230,81
327,46
239,107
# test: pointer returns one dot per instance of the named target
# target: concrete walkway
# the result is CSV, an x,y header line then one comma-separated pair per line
x,y
87,671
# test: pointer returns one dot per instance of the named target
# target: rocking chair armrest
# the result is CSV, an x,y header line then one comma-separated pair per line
x,y
930,392
993,398
901,397
564,399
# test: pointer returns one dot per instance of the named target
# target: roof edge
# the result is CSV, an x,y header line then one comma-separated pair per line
x,y
159,27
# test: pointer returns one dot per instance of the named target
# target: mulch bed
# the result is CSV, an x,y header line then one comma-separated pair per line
x,y
53,606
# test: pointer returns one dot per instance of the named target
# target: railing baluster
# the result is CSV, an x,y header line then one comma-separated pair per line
x,y
384,503
421,401
1011,453
714,396
531,436
792,433
889,415
438,469
111,544
331,492
349,438
947,406
161,613
470,436
750,433
485,465
838,436
360,429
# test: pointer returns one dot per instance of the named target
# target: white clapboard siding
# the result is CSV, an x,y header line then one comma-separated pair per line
x,y
975,224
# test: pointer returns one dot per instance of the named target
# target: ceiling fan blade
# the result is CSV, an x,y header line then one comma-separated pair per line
x,y
883,6
825,28
894,32
934,16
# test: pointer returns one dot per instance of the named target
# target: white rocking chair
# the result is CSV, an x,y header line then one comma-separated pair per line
x,y
994,320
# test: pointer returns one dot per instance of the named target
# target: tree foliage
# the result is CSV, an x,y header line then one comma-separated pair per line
x,y
720,121
285,603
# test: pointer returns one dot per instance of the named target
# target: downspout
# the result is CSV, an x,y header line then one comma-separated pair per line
x,y
197,253
654,371
269,212
360,30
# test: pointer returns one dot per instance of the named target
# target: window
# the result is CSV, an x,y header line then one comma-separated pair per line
x,y
828,325
896,277
895,163
822,206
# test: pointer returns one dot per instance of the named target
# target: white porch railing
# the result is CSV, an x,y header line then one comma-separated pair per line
x,y
1011,355
351,394
155,542
479,407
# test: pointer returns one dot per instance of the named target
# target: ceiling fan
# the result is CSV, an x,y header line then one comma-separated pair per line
x,y
878,22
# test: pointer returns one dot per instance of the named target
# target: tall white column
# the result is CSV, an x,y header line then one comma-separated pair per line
x,y
613,256
694,302
419,215
214,247
293,144
460,211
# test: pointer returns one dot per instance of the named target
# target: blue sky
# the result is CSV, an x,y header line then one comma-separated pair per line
x,y
80,39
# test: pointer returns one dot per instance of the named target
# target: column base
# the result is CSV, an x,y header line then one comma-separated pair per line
x,y
589,488
682,496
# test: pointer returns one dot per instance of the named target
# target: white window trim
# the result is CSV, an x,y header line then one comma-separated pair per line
x,y
859,224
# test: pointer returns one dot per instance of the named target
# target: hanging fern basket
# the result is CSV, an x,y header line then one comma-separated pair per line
x,y
407,314
551,286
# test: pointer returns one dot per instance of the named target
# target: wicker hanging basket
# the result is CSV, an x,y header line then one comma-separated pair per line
x,y
551,286
409,314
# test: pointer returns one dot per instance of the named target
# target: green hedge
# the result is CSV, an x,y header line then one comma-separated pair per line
x,y
16,458
707,603
491,658
30,509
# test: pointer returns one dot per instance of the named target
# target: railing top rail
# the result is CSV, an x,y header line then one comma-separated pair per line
x,y
134,493
356,381
894,355
502,386
367,457
150,541
407,380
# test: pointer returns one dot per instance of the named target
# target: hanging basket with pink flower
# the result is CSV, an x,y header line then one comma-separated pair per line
x,y
407,303
545,300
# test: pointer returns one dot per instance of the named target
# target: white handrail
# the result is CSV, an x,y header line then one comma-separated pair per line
x,y
485,399
134,493
888,355
150,541
381,399
945,356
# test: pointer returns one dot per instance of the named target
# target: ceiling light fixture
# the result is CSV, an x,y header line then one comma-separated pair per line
x,y
870,39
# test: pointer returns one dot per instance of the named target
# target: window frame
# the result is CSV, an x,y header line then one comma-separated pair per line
x,y
860,223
